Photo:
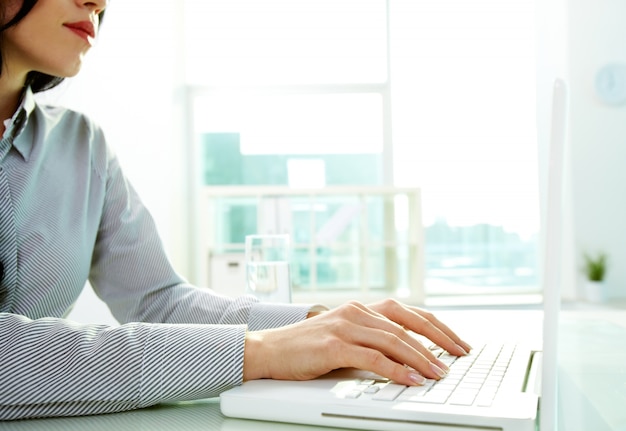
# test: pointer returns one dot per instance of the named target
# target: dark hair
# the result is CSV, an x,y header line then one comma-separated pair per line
x,y
36,80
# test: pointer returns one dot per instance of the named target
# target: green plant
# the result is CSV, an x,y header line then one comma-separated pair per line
x,y
595,266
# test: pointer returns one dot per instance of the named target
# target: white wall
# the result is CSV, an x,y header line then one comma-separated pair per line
x,y
597,36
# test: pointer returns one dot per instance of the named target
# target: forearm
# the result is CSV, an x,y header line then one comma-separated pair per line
x,y
52,367
188,304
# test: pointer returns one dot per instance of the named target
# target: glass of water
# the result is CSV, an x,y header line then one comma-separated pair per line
x,y
267,267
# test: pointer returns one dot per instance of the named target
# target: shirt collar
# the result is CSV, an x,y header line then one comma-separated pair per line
x,y
19,122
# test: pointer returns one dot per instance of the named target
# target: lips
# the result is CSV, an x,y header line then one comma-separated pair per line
x,y
84,29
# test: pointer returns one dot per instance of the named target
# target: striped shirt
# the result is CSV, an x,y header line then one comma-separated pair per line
x,y
68,215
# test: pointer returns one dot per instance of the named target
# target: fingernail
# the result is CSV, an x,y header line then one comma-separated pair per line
x,y
462,350
435,369
443,366
466,347
418,379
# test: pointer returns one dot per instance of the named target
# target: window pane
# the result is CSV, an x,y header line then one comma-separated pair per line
x,y
464,131
285,41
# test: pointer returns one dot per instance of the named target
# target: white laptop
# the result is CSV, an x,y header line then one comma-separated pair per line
x,y
496,387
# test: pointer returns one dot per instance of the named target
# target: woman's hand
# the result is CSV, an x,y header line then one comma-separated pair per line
x,y
373,338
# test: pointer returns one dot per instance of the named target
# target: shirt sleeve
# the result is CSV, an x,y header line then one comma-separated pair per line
x,y
91,369
132,274
175,341
61,368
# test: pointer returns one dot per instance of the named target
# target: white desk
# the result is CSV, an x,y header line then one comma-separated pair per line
x,y
592,375
592,380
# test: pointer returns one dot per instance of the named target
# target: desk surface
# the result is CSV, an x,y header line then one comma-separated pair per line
x,y
592,371
592,380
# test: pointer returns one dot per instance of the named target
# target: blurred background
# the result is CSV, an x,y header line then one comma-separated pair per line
x,y
402,144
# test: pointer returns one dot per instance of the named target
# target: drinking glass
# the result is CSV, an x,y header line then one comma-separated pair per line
x,y
267,267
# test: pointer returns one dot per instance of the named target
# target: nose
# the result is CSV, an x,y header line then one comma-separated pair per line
x,y
96,6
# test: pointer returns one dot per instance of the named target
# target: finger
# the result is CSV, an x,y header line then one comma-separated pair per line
x,y
395,343
443,328
365,358
382,322
425,323
404,353
436,334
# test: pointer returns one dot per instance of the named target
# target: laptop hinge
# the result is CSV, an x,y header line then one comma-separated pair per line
x,y
533,377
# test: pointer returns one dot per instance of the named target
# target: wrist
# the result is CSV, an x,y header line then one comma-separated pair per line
x,y
254,365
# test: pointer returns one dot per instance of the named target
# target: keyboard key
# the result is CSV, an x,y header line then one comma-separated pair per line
x,y
471,386
443,385
462,400
470,378
452,380
447,359
429,382
414,394
389,392
371,389
474,379
352,395
434,397
484,402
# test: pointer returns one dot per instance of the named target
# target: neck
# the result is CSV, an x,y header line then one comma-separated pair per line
x,y
10,94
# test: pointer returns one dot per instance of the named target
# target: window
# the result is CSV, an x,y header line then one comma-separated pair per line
x,y
291,92
345,241
463,80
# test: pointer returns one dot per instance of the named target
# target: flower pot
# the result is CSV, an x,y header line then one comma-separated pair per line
x,y
595,291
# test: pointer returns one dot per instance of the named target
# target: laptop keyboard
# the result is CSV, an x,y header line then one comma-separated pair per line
x,y
473,380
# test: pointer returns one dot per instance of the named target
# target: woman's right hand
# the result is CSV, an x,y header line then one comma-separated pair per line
x,y
353,335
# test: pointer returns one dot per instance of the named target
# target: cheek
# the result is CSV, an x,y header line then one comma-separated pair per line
x,y
9,9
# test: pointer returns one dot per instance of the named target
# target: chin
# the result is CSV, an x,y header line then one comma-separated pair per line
x,y
69,69
70,74
73,70
61,73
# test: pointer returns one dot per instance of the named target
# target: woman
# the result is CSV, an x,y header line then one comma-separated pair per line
x,y
68,215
